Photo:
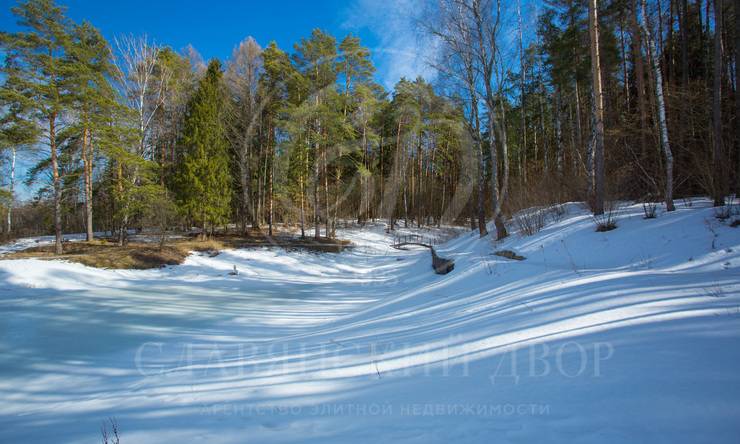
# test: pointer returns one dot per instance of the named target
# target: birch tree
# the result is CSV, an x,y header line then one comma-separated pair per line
x,y
486,21
16,131
598,109
456,31
665,145
135,66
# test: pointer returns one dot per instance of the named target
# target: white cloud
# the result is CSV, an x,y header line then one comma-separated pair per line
x,y
403,50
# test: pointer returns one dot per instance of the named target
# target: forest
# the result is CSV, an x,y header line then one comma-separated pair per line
x,y
529,233
600,101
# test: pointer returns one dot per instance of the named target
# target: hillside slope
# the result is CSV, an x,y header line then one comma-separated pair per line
x,y
631,335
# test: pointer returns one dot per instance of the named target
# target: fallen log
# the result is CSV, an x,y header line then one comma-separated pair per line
x,y
439,264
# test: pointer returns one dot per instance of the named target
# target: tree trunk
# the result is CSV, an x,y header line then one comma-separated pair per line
x,y
272,174
476,134
545,164
591,185
654,60
522,83
390,201
244,176
598,203
87,161
335,215
684,11
504,139
625,72
737,95
718,173
559,150
639,79
302,186
579,131
12,189
57,186
119,186
316,169
327,220
482,230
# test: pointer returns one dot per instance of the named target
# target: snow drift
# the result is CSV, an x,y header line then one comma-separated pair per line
x,y
631,335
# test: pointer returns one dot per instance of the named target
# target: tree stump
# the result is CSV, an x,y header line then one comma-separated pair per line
x,y
440,264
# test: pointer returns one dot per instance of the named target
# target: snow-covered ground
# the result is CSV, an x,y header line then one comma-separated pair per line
x,y
628,336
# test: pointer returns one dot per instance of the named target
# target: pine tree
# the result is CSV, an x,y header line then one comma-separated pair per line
x,y
274,92
314,59
93,100
37,70
355,65
204,185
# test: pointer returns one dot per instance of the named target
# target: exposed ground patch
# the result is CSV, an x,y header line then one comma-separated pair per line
x,y
106,253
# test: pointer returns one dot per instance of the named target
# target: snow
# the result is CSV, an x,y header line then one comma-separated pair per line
x,y
632,335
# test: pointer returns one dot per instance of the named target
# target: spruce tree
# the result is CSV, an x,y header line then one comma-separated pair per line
x,y
204,191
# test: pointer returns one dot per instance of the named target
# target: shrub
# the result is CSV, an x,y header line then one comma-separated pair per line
x,y
608,220
557,211
530,222
729,209
650,210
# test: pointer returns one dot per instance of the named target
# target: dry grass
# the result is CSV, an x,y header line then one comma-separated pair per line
x,y
508,254
143,255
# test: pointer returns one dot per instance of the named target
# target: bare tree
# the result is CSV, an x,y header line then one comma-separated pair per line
x,y
135,61
195,59
242,79
655,62
457,34
486,21
470,31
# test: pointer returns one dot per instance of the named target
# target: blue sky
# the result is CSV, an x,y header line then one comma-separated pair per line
x,y
214,28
